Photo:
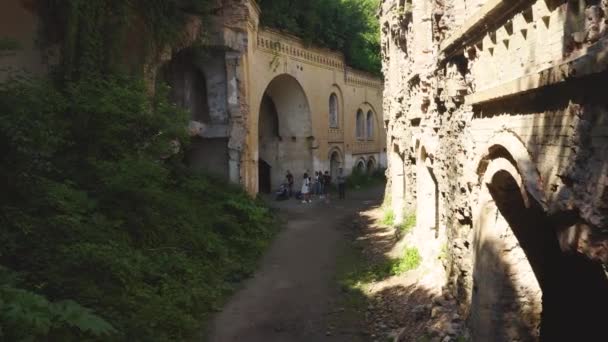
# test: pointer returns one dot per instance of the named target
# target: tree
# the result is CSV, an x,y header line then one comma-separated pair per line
x,y
349,26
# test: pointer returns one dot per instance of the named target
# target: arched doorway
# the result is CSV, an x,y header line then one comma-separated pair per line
x,y
371,165
269,141
506,232
188,85
360,167
335,163
398,183
428,193
185,74
524,287
284,130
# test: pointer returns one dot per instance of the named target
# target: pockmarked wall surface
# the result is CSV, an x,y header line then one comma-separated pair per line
x,y
312,97
497,140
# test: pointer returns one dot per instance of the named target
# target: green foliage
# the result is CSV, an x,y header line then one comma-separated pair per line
x,y
94,219
410,260
25,314
104,233
350,26
409,222
358,179
388,218
362,272
94,34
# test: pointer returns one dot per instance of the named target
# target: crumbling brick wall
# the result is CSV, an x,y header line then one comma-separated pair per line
x,y
501,101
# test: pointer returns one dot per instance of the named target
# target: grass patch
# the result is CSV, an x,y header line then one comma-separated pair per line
x,y
410,260
388,219
360,272
405,227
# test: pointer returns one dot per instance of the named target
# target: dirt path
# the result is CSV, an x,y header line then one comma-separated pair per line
x,y
291,296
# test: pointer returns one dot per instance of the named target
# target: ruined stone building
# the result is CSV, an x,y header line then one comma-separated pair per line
x,y
262,102
497,126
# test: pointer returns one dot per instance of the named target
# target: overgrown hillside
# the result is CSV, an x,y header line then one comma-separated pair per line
x,y
349,26
104,233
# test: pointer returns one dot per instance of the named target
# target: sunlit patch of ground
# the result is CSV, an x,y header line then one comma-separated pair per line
x,y
381,280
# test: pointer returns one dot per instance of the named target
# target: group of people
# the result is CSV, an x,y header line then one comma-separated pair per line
x,y
318,185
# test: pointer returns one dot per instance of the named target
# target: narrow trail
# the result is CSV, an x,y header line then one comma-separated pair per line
x,y
290,298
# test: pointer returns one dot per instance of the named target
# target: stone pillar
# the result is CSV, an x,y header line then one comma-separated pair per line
x,y
232,86
234,166
237,126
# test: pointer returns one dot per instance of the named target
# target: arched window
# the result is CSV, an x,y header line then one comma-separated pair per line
x,y
360,125
333,111
370,125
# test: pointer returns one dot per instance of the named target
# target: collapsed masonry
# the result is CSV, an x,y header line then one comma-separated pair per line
x,y
497,122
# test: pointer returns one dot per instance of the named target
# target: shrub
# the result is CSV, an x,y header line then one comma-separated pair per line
x,y
358,179
106,236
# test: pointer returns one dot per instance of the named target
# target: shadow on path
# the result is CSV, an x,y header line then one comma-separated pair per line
x,y
291,296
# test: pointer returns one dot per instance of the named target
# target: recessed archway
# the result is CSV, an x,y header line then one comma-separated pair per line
x,y
360,166
284,130
188,89
506,299
428,193
398,183
371,165
524,286
335,162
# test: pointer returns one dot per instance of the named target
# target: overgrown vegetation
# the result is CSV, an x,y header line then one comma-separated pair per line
x,y
350,26
403,228
361,179
362,271
105,234
388,217
409,222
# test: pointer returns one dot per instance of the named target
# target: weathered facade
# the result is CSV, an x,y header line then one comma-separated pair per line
x,y
261,101
497,129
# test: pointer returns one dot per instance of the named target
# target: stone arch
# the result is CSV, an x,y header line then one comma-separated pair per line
x,y
371,164
360,166
190,79
376,122
506,143
521,278
398,179
288,147
428,193
428,236
339,120
504,272
360,124
370,125
336,161
188,84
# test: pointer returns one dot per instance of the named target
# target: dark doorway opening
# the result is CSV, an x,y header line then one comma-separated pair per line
x,y
264,174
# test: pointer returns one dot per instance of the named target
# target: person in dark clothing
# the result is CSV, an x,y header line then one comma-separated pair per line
x,y
283,193
289,178
341,184
326,185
